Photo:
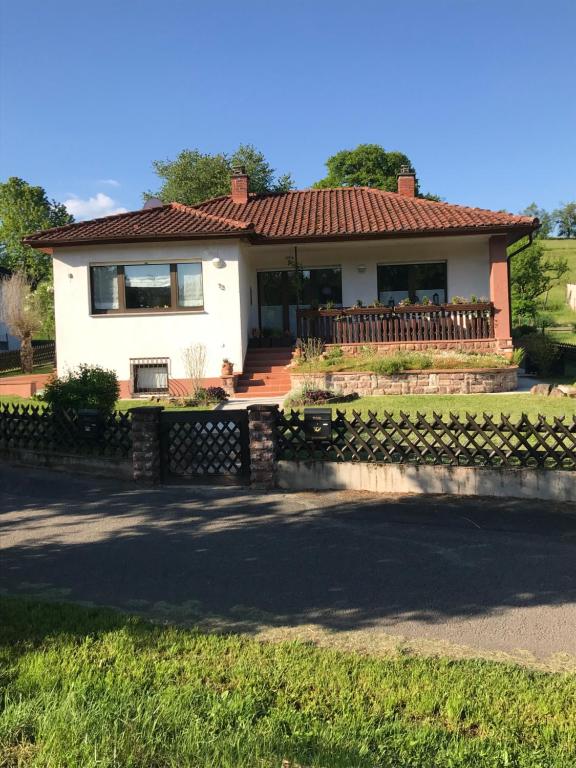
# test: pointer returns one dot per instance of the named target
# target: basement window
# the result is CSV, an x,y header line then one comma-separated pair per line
x,y
150,375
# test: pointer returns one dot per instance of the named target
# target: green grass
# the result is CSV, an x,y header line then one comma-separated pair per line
x,y
85,688
395,362
37,369
556,305
513,405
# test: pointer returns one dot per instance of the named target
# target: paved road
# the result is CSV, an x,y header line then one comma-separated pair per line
x,y
463,576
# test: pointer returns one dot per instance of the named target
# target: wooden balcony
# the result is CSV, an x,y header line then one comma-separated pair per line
x,y
371,325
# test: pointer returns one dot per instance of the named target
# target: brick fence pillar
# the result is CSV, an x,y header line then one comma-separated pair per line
x,y
146,466
262,434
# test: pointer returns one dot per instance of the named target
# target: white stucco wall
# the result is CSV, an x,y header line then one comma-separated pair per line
x,y
467,258
230,294
111,340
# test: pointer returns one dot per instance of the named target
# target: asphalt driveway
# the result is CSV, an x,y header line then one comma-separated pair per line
x,y
434,574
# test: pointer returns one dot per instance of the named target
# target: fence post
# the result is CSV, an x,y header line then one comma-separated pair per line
x,y
146,466
262,435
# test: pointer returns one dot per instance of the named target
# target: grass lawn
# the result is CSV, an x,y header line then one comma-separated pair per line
x,y
37,369
86,688
557,307
513,405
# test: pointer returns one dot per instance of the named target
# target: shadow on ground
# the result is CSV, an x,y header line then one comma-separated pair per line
x,y
339,561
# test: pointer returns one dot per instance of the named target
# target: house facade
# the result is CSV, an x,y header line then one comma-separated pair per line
x,y
352,266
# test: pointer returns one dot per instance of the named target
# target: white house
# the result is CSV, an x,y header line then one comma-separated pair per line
x,y
134,290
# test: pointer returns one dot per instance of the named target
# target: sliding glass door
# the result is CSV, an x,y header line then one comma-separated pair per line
x,y
282,291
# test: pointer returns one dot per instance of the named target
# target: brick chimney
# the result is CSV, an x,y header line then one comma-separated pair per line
x,y
406,181
239,185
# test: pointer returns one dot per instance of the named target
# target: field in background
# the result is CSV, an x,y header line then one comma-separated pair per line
x,y
560,312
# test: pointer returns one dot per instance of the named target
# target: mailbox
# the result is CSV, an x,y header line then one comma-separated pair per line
x,y
91,423
318,423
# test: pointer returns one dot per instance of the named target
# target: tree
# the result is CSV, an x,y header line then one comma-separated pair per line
x,y
547,223
18,309
44,299
565,218
369,165
194,177
25,209
532,275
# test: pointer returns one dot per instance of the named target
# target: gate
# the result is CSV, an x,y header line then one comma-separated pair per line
x,y
205,446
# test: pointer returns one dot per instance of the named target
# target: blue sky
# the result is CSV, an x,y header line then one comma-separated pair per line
x,y
480,94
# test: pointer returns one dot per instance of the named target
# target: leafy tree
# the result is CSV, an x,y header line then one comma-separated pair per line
x,y
44,299
547,223
368,165
532,275
25,209
193,176
565,218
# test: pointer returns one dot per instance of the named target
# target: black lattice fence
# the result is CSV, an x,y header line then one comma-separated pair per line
x,y
471,440
34,428
201,445
44,353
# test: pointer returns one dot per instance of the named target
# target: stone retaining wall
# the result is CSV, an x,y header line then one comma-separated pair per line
x,y
428,382
487,346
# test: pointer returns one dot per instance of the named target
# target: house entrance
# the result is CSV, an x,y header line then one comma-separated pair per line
x,y
282,291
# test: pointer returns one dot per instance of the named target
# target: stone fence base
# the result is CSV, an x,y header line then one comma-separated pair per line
x,y
428,382
487,346
82,465
549,485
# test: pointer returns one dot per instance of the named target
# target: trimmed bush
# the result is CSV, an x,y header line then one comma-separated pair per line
x,y
542,354
88,386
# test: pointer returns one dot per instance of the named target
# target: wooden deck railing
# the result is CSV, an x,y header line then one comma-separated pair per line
x,y
446,322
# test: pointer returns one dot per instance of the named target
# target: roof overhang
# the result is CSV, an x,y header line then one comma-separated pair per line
x,y
512,233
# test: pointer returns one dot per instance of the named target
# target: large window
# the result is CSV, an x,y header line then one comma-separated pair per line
x,y
412,281
147,287
321,285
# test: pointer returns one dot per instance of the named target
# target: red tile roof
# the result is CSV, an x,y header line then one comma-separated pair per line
x,y
173,221
346,212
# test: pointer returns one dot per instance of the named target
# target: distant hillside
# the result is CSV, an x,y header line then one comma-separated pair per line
x,y
557,306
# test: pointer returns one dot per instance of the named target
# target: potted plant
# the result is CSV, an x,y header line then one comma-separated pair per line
x,y
227,367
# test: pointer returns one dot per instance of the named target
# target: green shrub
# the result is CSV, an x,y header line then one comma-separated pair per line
x,y
542,351
310,349
333,353
518,356
89,386
400,361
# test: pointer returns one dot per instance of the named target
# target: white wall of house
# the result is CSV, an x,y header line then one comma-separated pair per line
x,y
467,259
230,294
111,340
